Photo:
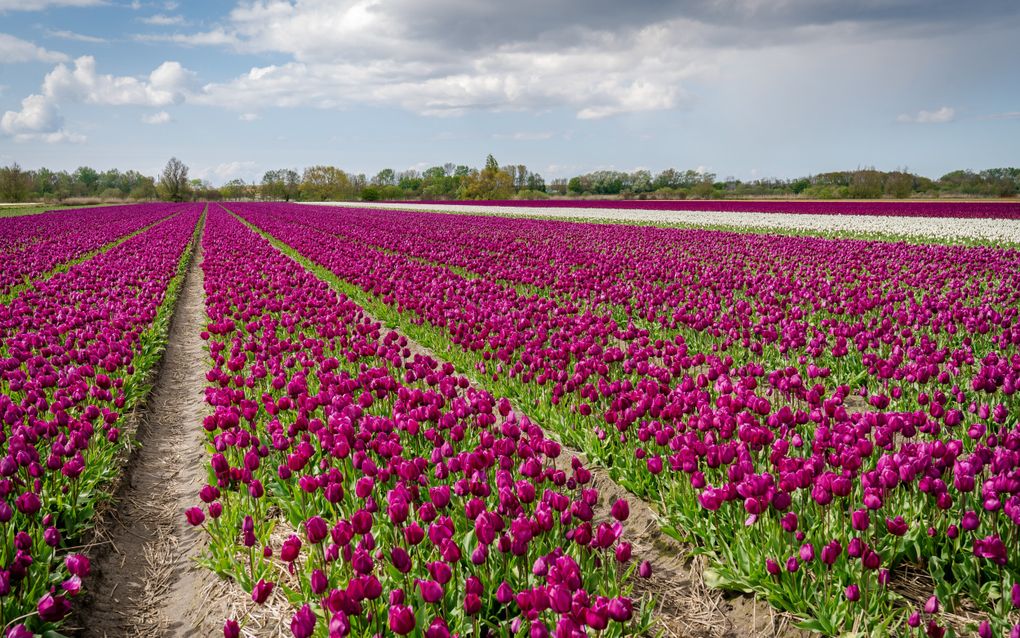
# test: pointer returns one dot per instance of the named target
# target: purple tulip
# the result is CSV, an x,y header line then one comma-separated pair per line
x,y
401,619
261,591
195,516
316,530
431,591
53,608
645,569
302,625
620,509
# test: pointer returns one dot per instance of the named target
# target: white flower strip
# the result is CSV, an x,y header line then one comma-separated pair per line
x,y
942,228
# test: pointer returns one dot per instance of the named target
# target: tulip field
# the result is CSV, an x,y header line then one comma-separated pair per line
x,y
405,410
76,348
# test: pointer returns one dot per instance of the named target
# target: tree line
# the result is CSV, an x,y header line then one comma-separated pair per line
x,y
491,181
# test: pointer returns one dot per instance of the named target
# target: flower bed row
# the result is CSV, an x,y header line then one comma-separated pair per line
x,y
885,228
74,353
845,410
949,209
36,245
375,487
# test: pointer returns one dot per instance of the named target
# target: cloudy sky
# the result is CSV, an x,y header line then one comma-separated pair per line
x,y
744,88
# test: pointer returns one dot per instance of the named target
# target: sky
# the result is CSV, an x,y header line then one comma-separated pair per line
x,y
742,88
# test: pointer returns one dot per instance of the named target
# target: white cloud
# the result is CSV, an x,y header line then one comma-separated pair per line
x,y
136,5
364,52
216,37
167,84
14,49
1008,115
71,35
162,117
248,117
39,5
37,115
38,120
938,116
524,136
163,20
603,76
226,171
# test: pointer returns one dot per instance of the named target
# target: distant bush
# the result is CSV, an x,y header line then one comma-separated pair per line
x,y
529,194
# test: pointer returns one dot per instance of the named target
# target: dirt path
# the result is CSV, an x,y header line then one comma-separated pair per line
x,y
145,580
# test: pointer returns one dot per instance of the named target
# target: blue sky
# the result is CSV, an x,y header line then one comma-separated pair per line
x,y
744,88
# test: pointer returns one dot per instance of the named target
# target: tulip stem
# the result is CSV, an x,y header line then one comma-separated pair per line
x,y
14,620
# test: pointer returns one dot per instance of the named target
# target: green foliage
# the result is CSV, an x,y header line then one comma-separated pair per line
x,y
282,184
495,181
173,181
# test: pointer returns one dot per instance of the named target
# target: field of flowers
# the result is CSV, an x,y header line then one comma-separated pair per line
x,y
833,422
944,222
377,487
398,402
927,209
35,245
75,349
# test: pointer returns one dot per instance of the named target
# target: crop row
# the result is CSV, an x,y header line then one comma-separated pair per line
x,y
891,227
34,245
844,410
74,353
927,209
374,486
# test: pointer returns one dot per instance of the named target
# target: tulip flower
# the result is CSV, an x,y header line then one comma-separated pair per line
x,y
401,620
261,591
302,625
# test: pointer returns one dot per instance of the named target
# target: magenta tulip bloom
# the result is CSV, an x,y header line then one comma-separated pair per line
x,y
302,625
195,516
620,509
401,620
261,591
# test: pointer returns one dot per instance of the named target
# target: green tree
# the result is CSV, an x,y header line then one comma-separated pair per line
x,y
173,181
385,177
325,183
866,184
282,184
87,178
15,184
489,183
899,184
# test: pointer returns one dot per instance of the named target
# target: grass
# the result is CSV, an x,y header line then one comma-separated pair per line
x,y
17,210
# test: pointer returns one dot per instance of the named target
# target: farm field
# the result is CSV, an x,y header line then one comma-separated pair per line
x,y
261,419
956,222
